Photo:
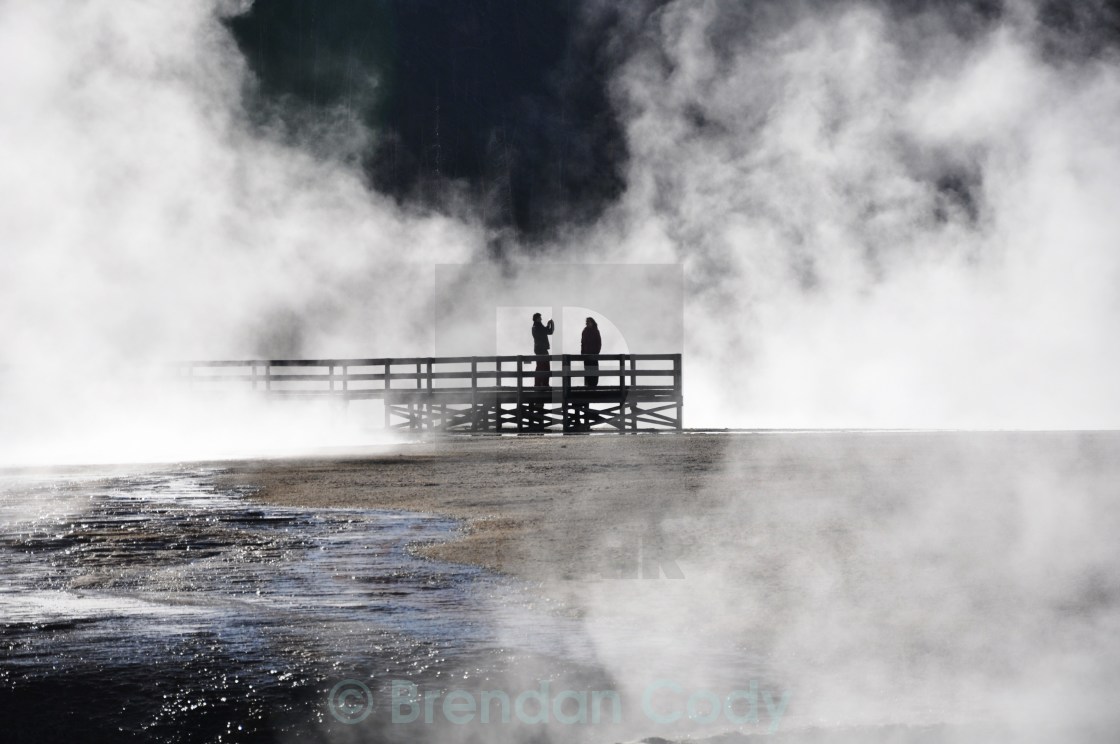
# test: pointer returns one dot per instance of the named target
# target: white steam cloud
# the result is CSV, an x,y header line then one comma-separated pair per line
x,y
882,223
888,582
146,220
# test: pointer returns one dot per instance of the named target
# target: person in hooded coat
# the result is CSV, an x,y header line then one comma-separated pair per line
x,y
591,343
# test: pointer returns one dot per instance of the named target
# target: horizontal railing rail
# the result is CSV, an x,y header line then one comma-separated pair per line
x,y
634,369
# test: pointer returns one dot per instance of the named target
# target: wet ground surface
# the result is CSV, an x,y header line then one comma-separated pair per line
x,y
889,596
157,607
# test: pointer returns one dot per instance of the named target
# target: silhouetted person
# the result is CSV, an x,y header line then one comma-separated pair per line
x,y
541,332
591,343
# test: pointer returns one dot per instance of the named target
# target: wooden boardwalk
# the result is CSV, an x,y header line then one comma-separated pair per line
x,y
636,392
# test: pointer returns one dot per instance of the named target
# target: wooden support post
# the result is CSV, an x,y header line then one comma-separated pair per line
x,y
566,390
621,392
677,374
387,395
430,408
345,388
474,393
633,385
418,406
520,387
498,396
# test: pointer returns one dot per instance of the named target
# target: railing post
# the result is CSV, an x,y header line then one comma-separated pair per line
x,y
497,395
431,406
474,393
345,395
413,413
566,388
388,385
520,386
621,392
633,386
677,380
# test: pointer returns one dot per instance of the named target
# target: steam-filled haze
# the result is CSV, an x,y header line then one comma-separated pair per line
x,y
888,214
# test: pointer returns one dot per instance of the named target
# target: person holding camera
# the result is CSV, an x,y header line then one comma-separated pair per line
x,y
541,332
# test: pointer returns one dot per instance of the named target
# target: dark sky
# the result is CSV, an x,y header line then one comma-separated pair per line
x,y
505,97
508,100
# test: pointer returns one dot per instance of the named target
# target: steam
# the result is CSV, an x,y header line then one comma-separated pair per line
x,y
883,221
945,580
886,218
148,220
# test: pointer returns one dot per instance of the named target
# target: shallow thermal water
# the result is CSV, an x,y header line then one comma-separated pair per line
x,y
159,607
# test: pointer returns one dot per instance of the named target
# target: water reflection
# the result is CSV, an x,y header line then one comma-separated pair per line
x,y
157,606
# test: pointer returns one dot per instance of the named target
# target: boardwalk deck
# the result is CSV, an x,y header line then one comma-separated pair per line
x,y
636,392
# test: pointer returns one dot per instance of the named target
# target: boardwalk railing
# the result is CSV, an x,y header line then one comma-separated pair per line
x,y
500,393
